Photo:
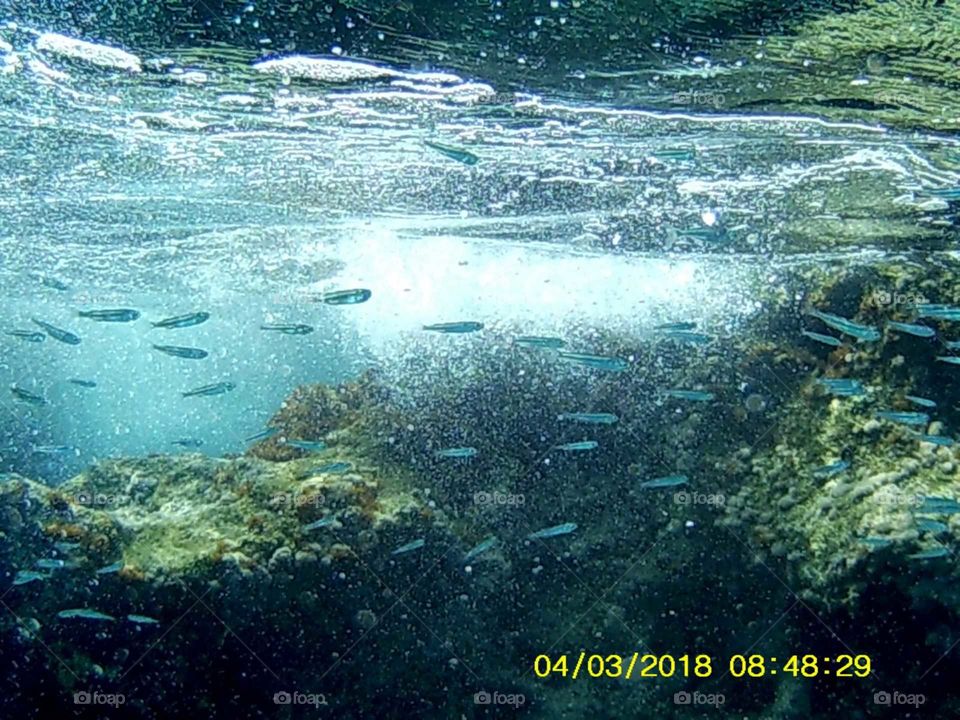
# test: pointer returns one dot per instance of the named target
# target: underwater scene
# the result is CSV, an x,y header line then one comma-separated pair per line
x,y
547,359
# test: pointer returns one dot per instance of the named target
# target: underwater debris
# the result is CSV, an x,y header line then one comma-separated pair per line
x,y
182,321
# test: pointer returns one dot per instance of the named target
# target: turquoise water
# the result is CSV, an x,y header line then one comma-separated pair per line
x,y
182,175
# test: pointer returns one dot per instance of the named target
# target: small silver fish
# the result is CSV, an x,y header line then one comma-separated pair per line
x,y
188,442
64,336
916,330
83,383
907,418
821,338
85,613
289,329
667,481
207,390
345,297
142,620
465,326
539,341
34,336
834,468
307,445
929,554
922,402
111,568
596,362
580,446
454,153
27,576
555,531
262,435
26,396
480,548
847,327
187,353
457,452
317,524
409,547
182,321
589,418
695,395
111,315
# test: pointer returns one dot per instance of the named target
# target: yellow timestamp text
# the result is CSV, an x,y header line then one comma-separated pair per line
x,y
594,665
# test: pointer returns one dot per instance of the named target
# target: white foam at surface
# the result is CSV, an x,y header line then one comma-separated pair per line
x,y
101,55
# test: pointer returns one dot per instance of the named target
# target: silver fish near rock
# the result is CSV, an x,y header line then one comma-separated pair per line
x,y
332,468
288,329
27,576
456,452
409,547
207,390
580,446
345,297
317,524
480,548
595,362
831,469
34,336
82,383
182,321
539,341
906,418
84,613
911,329
821,338
262,435
111,568
58,334
589,418
847,327
25,396
555,531
111,315
187,353
667,481
465,326
188,442
676,327
142,620
694,395
454,153
307,445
